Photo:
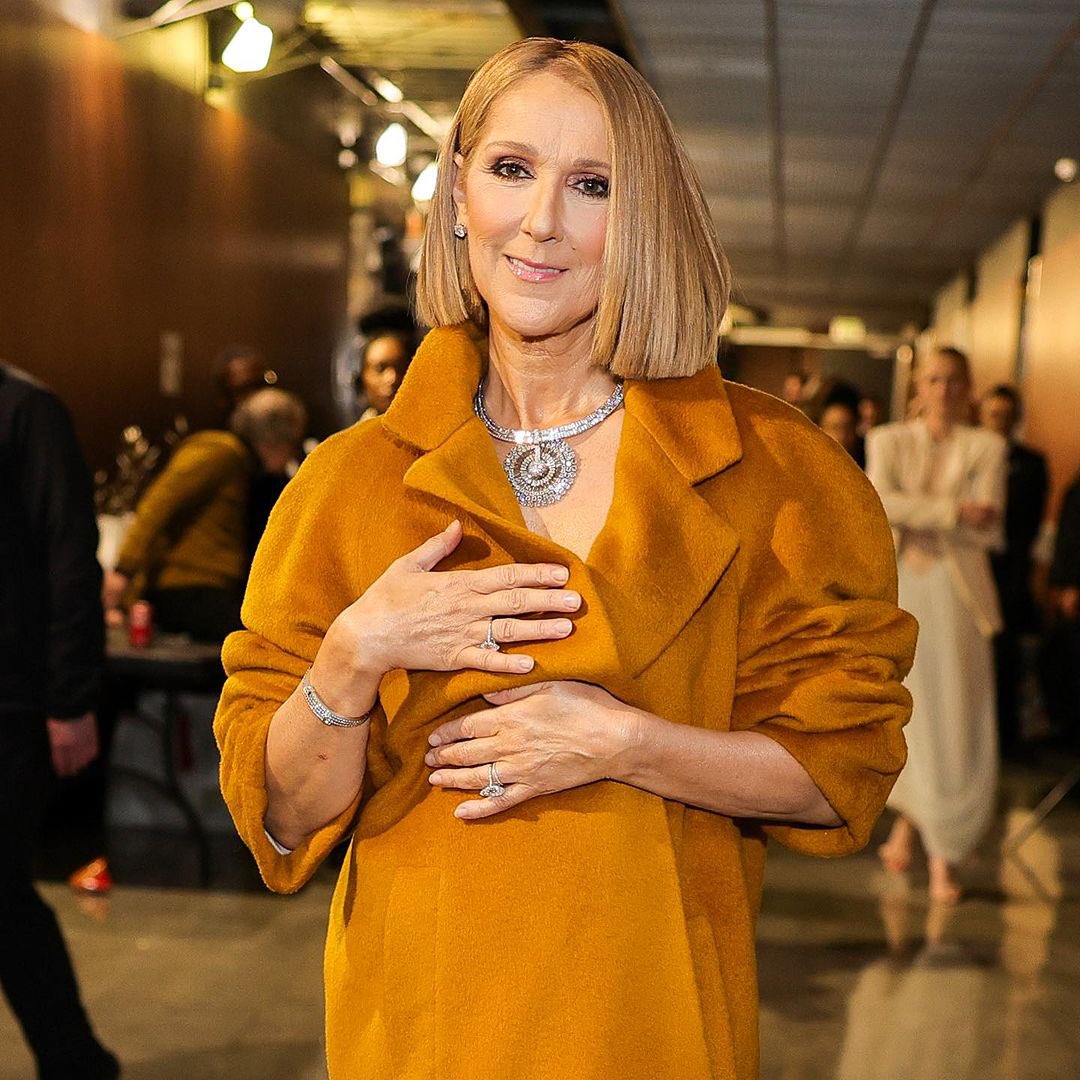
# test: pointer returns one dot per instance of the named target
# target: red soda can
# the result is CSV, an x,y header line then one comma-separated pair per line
x,y
140,624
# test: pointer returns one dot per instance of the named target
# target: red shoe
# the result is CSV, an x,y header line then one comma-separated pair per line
x,y
93,878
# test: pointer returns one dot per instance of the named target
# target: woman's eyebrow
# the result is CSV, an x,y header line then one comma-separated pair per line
x,y
528,150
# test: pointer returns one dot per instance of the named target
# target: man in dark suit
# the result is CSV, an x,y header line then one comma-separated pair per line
x,y
51,657
1025,504
1061,660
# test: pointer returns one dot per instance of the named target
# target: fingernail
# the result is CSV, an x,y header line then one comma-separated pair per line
x,y
561,574
434,740
573,601
459,812
434,778
523,664
429,759
563,626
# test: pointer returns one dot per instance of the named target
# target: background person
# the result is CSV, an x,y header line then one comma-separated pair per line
x,y
1025,504
51,661
187,548
572,808
241,370
388,338
942,483
1061,659
840,421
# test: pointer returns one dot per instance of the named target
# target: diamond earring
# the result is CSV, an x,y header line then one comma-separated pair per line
x,y
460,231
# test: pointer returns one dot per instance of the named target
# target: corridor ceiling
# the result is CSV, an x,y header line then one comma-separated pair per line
x,y
857,153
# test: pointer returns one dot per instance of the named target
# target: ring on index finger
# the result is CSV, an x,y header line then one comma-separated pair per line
x,y
489,641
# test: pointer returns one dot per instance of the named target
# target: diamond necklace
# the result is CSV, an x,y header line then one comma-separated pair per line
x,y
542,467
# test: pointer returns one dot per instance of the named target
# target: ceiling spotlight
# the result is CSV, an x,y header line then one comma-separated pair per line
x,y
390,91
347,158
1065,169
249,49
393,146
423,190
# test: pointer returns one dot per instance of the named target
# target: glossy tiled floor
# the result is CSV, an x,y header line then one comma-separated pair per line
x,y
860,978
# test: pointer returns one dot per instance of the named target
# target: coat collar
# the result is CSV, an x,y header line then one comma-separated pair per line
x,y
664,546
690,418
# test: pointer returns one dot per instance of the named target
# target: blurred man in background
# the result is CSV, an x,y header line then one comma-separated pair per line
x,y
1025,504
51,659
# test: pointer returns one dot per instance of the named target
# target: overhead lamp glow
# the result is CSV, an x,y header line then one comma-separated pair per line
x,y
423,190
390,91
244,11
392,147
1065,169
249,49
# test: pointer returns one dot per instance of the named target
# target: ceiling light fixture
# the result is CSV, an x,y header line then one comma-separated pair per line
x,y
390,91
249,49
393,146
1065,169
423,190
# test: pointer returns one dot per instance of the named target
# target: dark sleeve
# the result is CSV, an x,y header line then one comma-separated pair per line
x,y
1065,569
58,497
1030,505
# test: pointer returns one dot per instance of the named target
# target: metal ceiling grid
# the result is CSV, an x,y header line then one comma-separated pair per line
x,y
856,152
440,34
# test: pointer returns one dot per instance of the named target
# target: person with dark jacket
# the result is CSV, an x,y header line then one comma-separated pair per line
x,y
1025,504
51,660
1061,657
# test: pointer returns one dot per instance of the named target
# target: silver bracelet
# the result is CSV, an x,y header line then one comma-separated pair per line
x,y
324,712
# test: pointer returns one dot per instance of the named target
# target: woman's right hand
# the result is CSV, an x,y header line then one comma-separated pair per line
x,y
414,619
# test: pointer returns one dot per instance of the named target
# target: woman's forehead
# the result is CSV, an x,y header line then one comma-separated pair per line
x,y
544,111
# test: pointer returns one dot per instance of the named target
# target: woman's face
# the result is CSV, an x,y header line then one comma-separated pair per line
x,y
385,361
838,422
944,392
534,198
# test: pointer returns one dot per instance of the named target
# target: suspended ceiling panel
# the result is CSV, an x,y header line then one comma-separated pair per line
x,y
856,153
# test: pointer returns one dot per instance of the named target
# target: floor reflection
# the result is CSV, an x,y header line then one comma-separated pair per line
x,y
863,978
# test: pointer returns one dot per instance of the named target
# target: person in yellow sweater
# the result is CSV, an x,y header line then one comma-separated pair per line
x,y
186,550
567,635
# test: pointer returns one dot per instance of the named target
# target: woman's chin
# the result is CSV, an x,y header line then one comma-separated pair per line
x,y
538,322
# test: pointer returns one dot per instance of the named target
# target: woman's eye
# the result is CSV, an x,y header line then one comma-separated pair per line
x,y
594,186
511,170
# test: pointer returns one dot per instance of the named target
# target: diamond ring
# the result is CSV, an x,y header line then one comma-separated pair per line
x,y
494,785
489,642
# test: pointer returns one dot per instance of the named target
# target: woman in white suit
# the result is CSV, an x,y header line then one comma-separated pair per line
x,y
943,486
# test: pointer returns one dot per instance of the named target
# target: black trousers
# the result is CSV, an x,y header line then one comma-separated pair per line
x,y
35,970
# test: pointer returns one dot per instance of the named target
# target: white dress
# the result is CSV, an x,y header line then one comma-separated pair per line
x,y
948,786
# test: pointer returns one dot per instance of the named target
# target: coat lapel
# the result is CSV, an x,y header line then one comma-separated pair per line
x,y
663,547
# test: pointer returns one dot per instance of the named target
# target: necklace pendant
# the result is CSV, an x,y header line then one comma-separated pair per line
x,y
541,474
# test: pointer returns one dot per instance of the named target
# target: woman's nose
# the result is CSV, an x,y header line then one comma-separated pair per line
x,y
542,217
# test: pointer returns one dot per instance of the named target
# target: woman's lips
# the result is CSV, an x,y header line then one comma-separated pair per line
x,y
534,272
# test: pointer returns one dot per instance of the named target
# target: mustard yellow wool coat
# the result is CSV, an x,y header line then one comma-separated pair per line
x,y
744,580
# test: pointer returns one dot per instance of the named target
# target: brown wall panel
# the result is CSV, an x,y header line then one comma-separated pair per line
x,y
1052,368
129,207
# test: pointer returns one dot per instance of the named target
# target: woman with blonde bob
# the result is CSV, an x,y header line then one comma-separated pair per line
x,y
563,638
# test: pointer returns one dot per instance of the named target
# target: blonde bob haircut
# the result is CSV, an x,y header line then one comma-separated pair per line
x,y
665,281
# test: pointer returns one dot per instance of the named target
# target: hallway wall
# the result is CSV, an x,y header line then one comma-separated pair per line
x,y
988,326
129,208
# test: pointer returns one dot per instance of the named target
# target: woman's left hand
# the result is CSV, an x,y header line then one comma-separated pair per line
x,y
543,738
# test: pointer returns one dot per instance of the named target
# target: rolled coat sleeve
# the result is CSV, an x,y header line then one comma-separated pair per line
x,y
823,646
303,576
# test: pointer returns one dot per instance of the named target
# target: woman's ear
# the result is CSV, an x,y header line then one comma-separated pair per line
x,y
459,191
